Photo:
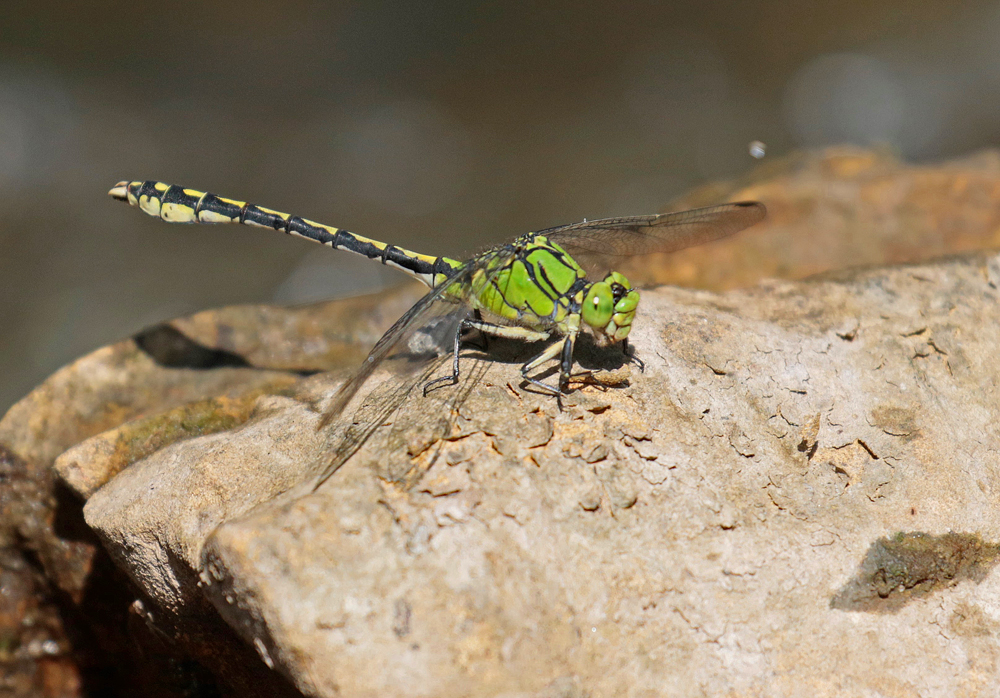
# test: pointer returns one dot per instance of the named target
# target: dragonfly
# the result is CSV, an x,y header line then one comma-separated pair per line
x,y
536,287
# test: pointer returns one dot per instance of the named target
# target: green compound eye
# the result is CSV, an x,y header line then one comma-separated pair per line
x,y
598,305
618,278
627,303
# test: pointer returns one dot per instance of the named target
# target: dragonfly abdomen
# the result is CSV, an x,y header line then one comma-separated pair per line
x,y
176,204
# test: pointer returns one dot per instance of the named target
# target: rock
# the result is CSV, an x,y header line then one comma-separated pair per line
x,y
102,412
316,337
35,652
841,207
795,497
748,472
210,480
231,352
91,463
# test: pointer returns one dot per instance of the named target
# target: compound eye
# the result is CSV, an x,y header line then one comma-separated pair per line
x,y
598,306
618,291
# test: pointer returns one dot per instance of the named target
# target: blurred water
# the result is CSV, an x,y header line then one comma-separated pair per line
x,y
439,127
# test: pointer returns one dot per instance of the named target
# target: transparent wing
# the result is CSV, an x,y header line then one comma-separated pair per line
x,y
608,239
406,358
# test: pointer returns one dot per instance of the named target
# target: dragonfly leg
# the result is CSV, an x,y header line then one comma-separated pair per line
x,y
632,357
566,363
482,335
453,378
529,335
508,331
551,352
565,347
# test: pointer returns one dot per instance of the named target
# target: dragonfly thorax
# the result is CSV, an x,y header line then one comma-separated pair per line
x,y
609,306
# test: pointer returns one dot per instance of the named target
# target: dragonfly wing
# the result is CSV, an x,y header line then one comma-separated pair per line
x,y
411,354
605,241
407,357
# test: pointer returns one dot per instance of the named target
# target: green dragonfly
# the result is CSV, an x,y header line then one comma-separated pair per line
x,y
534,288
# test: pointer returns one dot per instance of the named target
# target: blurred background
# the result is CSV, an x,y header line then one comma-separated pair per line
x,y
438,126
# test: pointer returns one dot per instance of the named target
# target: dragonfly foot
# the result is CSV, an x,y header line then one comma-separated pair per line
x,y
632,358
544,387
439,383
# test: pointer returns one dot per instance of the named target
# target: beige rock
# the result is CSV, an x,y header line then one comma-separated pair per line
x,y
723,524
154,516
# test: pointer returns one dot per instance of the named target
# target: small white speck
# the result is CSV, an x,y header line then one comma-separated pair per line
x,y
262,651
593,630
758,149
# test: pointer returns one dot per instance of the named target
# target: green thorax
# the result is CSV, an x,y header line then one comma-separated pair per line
x,y
531,282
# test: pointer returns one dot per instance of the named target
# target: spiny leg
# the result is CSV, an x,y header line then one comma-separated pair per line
x,y
562,349
566,364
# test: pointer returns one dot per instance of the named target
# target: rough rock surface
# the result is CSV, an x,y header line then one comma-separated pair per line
x,y
797,496
703,529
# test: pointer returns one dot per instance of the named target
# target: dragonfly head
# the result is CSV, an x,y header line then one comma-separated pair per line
x,y
609,306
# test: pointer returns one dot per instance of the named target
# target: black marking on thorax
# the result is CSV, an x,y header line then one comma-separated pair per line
x,y
580,285
537,266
